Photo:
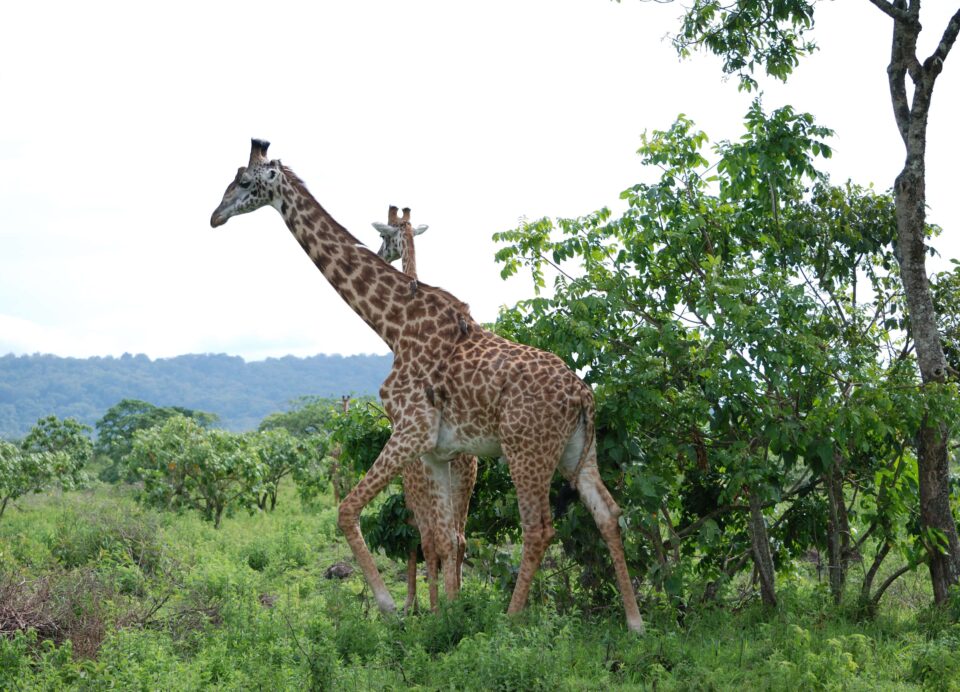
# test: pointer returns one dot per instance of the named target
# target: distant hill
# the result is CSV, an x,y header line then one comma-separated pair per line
x,y
240,393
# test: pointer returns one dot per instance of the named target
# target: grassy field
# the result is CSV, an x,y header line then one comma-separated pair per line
x,y
116,597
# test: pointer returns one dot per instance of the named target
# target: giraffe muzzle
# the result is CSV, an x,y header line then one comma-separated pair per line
x,y
219,217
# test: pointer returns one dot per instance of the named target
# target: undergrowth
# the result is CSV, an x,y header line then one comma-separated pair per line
x,y
96,593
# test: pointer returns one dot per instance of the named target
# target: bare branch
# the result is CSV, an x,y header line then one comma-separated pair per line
x,y
934,63
888,581
897,13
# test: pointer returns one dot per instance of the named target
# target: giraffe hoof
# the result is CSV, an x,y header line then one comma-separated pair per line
x,y
386,604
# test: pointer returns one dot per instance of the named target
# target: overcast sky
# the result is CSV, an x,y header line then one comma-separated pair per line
x,y
122,123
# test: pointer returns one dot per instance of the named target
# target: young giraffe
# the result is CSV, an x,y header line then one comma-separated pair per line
x,y
398,243
454,388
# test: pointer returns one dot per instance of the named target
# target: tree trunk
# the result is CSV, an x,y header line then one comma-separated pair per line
x,y
932,453
4,505
838,532
762,558
910,200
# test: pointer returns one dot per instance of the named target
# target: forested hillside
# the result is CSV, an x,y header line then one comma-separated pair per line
x,y
240,393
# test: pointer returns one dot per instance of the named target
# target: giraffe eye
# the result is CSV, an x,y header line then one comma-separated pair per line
x,y
245,183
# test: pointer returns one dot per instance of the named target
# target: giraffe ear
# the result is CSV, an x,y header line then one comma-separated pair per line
x,y
385,229
420,229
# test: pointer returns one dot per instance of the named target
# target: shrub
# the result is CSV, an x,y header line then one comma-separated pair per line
x,y
355,635
258,557
936,665
99,532
56,607
509,659
319,653
475,610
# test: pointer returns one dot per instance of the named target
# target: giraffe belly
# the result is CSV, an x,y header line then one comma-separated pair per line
x,y
456,439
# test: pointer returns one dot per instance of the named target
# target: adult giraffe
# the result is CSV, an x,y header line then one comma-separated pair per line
x,y
398,243
454,388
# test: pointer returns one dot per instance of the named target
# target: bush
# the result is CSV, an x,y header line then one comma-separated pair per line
x,y
319,654
508,659
356,635
472,612
936,665
101,533
258,557
56,607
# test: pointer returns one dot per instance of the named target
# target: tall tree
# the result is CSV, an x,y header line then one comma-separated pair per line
x,y
184,465
66,437
772,35
116,429
746,383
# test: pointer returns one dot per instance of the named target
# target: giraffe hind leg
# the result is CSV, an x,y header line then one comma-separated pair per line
x,y
531,475
606,514
463,474
410,606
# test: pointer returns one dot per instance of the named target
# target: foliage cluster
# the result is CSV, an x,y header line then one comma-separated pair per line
x,y
742,324
184,465
54,453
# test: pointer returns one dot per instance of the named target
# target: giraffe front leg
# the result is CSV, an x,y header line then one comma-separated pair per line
x,y
400,449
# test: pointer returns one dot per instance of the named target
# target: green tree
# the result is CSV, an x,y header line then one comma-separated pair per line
x,y
184,465
308,415
773,35
23,472
282,454
54,452
741,379
117,427
302,451
67,437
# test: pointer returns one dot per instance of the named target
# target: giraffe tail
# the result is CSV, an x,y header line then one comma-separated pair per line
x,y
588,426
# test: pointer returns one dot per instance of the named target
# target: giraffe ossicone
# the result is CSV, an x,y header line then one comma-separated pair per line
x,y
395,234
454,388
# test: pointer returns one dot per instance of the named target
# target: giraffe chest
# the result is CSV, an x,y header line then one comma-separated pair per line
x,y
455,437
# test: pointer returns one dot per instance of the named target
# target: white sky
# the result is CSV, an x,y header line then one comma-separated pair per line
x,y
122,122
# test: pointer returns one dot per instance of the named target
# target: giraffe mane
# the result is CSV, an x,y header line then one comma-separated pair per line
x,y
301,186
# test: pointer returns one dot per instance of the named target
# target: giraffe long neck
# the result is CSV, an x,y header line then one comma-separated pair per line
x,y
366,283
409,252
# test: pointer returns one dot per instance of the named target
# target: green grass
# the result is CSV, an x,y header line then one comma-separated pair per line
x,y
135,599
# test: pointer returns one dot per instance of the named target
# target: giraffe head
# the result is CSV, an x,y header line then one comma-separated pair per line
x,y
255,185
394,234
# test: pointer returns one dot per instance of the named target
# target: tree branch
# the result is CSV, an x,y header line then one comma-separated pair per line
x,y
903,59
934,63
888,581
897,13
